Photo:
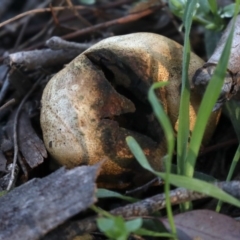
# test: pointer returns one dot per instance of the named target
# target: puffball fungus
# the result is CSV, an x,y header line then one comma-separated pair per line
x,y
100,98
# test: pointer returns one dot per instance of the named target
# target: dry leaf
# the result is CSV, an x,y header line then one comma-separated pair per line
x,y
206,225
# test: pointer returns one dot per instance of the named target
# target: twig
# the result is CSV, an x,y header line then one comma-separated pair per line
x,y
146,186
44,58
21,34
175,23
57,43
38,35
5,179
15,143
42,31
23,166
219,146
4,89
7,104
42,10
25,24
129,18
116,4
144,207
75,12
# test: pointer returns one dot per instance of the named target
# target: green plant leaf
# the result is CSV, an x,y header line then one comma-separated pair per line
x,y
230,173
105,193
105,224
232,109
116,228
177,7
228,11
113,228
205,13
181,181
133,225
213,6
177,4
87,2
211,39
203,7
145,232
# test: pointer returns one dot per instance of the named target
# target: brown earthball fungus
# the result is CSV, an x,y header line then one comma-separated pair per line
x,y
100,98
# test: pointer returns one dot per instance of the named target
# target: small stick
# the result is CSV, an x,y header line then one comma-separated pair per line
x,y
218,146
23,166
38,35
45,58
25,24
15,143
5,86
57,43
146,186
43,30
42,10
142,208
7,104
126,19
76,13
114,4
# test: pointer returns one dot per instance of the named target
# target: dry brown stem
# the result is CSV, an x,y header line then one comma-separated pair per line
x,y
15,136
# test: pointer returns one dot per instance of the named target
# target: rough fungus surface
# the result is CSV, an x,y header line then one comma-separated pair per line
x,y
93,104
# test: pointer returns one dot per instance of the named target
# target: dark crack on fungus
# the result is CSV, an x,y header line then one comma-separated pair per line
x,y
133,88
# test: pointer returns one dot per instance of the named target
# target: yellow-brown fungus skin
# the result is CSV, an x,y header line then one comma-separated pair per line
x,y
94,103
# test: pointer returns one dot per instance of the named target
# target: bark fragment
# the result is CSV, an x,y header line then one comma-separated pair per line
x,y
30,211
30,145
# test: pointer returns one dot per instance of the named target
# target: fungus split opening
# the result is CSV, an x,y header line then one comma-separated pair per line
x,y
123,79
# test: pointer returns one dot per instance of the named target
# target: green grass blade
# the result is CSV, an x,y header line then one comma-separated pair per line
x,y
213,6
162,118
169,134
230,173
233,111
149,233
198,175
209,99
181,181
183,129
